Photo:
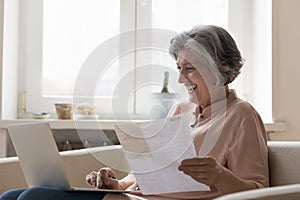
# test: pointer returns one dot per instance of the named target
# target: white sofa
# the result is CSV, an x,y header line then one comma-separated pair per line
x,y
284,162
284,166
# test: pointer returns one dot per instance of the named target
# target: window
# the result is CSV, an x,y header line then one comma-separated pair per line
x,y
56,45
69,38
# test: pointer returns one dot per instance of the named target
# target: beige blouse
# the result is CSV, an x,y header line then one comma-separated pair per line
x,y
235,136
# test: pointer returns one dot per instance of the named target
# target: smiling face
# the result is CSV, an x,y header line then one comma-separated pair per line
x,y
196,77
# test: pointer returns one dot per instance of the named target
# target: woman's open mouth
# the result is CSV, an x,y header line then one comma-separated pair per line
x,y
191,88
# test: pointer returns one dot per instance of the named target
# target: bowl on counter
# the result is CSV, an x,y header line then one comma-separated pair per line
x,y
64,110
85,111
40,115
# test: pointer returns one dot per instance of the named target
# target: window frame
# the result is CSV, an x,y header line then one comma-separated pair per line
x,y
31,24
31,40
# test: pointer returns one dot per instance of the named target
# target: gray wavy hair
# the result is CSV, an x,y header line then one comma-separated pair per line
x,y
216,46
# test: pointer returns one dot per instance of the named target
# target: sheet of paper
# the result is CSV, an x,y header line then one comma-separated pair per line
x,y
154,151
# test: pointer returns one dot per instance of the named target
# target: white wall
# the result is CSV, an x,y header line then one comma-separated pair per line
x,y
1,53
260,68
253,33
286,67
10,59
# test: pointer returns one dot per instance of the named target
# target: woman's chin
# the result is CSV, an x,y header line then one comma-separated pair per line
x,y
193,99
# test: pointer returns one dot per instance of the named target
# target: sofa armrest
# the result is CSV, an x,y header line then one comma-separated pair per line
x,y
290,192
77,164
11,174
284,162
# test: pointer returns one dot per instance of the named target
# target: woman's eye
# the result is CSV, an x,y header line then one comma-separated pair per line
x,y
190,69
187,69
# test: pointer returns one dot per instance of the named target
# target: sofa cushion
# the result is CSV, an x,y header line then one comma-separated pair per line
x,y
284,162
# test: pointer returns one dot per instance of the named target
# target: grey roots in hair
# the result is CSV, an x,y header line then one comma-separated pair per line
x,y
218,43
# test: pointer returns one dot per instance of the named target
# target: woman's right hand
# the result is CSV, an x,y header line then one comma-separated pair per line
x,y
105,178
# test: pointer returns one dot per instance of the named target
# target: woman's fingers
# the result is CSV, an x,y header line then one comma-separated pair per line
x,y
91,179
104,178
205,170
100,183
208,160
107,174
113,184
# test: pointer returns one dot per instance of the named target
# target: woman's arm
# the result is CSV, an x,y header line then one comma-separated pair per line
x,y
228,182
246,159
208,171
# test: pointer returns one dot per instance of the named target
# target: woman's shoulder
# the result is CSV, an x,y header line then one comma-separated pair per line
x,y
241,108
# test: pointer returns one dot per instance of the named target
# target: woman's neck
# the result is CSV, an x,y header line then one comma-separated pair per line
x,y
216,94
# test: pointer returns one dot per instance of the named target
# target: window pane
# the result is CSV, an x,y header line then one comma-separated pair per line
x,y
72,29
182,16
171,16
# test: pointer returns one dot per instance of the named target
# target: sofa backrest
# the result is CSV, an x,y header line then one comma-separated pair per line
x,y
284,162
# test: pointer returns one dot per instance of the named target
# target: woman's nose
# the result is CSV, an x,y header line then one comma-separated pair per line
x,y
181,78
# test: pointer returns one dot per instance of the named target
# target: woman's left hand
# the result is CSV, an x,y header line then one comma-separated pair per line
x,y
204,170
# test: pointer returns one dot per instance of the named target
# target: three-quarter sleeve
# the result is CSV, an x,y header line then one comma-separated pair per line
x,y
248,154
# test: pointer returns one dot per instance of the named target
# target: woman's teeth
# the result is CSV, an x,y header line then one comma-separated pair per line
x,y
191,88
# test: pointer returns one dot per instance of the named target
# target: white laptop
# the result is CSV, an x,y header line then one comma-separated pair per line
x,y
39,157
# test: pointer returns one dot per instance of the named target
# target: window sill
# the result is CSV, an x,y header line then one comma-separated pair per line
x,y
276,127
273,127
68,124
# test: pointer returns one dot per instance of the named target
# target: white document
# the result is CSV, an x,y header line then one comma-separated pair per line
x,y
154,151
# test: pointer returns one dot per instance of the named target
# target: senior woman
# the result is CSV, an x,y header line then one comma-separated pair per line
x,y
229,135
